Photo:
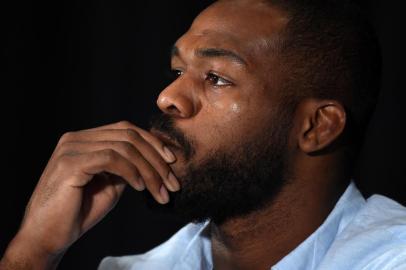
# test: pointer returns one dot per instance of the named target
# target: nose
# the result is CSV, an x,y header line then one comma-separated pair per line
x,y
178,100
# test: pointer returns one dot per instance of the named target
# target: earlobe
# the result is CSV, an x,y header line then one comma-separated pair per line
x,y
323,124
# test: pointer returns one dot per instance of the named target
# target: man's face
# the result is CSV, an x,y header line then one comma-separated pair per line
x,y
224,107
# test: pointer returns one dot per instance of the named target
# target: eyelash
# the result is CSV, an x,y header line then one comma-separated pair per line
x,y
210,76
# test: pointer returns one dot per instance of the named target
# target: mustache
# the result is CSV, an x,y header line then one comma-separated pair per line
x,y
165,124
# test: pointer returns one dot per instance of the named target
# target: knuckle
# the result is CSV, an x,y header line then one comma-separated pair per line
x,y
151,177
124,124
132,135
135,173
162,166
166,171
67,137
112,194
127,148
109,155
64,147
60,148
64,162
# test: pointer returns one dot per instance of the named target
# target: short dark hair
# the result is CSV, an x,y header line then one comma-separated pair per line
x,y
332,52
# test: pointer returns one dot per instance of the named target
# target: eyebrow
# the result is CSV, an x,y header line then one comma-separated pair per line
x,y
213,53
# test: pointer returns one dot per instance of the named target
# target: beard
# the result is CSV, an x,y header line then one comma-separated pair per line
x,y
234,182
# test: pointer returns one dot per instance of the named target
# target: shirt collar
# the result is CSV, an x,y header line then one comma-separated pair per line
x,y
197,254
309,253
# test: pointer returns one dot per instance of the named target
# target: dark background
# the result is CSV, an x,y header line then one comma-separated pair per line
x,y
70,65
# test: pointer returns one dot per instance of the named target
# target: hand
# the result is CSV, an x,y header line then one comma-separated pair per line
x,y
84,179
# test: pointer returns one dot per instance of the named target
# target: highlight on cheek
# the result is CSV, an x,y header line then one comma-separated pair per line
x,y
235,108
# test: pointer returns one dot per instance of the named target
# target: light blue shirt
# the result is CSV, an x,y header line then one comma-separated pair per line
x,y
358,234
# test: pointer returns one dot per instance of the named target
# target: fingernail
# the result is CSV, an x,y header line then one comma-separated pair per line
x,y
170,157
141,184
164,195
173,183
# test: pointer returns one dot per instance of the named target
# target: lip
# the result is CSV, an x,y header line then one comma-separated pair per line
x,y
167,140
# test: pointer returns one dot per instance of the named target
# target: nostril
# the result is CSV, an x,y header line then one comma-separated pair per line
x,y
173,109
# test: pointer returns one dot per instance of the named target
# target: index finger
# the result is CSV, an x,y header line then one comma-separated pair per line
x,y
156,143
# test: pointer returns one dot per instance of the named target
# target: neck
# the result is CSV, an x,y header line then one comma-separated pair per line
x,y
262,238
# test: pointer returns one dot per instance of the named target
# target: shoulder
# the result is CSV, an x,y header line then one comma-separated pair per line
x,y
161,257
380,216
374,239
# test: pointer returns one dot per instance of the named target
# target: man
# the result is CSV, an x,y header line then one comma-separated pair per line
x,y
256,145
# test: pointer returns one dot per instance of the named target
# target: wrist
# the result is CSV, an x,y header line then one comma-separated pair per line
x,y
23,254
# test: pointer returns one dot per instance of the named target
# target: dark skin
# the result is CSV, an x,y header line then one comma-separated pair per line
x,y
229,83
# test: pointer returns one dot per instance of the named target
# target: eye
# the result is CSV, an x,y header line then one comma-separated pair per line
x,y
217,80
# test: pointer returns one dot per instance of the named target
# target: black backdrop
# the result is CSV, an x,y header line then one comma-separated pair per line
x,y
70,65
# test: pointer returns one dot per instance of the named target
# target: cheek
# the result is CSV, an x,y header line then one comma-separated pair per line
x,y
221,123
237,119
228,111
226,119
225,107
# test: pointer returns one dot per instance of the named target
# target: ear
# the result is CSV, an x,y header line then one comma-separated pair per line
x,y
323,121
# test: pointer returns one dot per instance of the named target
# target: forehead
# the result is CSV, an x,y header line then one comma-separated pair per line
x,y
246,26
